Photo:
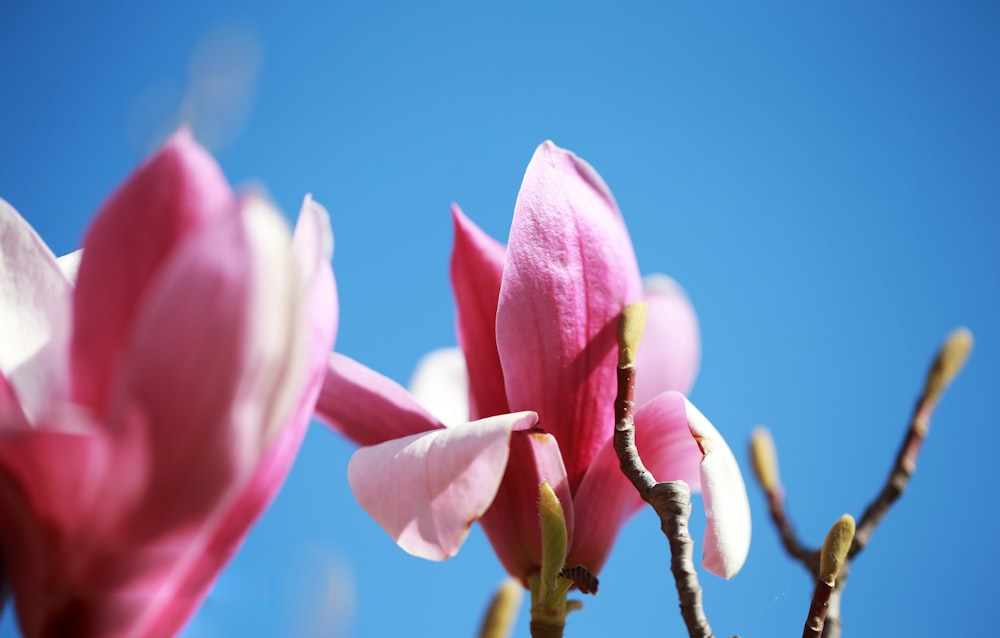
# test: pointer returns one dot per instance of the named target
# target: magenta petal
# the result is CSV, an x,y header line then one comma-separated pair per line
x,y
512,523
11,415
476,269
216,363
175,193
426,490
670,349
34,316
570,270
727,535
606,499
366,407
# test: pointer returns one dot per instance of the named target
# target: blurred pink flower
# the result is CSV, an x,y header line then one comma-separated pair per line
x,y
150,412
538,324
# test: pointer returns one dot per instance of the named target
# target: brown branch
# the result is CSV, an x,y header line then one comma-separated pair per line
x,y
671,502
817,610
776,507
899,476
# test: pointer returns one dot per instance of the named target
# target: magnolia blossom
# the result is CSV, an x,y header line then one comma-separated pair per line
x,y
537,323
150,411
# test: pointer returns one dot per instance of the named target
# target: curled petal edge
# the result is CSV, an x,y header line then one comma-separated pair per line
x,y
727,534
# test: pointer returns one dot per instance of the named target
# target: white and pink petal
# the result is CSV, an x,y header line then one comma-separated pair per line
x,y
35,303
426,490
727,534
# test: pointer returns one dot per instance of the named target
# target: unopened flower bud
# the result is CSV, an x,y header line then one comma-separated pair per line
x,y
835,547
630,328
948,363
764,458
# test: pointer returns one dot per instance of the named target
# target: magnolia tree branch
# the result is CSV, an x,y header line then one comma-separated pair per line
x,y
946,365
671,502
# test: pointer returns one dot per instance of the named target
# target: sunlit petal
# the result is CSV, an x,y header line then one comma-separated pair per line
x,y
426,490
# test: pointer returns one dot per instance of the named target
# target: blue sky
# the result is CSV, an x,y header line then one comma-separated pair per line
x,y
823,178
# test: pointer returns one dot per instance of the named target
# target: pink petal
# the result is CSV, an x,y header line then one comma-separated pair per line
x,y
512,523
172,196
570,270
441,384
670,349
366,407
727,535
206,552
476,269
215,365
49,481
606,499
426,490
34,316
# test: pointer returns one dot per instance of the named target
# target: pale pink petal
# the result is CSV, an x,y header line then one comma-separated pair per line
x,y
512,523
476,268
216,363
441,384
175,193
34,316
670,349
366,407
426,490
570,270
727,534
207,551
606,499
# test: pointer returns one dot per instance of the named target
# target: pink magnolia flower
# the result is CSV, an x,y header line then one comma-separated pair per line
x,y
537,323
150,412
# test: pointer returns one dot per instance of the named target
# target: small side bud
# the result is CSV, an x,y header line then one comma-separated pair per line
x,y
554,538
835,547
630,328
502,613
948,363
764,458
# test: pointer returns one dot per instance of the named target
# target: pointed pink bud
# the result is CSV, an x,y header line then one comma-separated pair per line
x,y
570,270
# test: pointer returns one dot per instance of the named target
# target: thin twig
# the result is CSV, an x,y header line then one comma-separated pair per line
x,y
671,502
899,476
793,546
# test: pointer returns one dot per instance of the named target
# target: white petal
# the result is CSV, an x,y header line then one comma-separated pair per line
x,y
440,384
727,535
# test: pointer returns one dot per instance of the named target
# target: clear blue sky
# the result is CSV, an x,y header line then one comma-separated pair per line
x,y
822,177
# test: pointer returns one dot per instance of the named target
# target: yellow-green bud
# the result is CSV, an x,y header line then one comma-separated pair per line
x,y
554,538
500,617
764,458
630,329
948,363
835,547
